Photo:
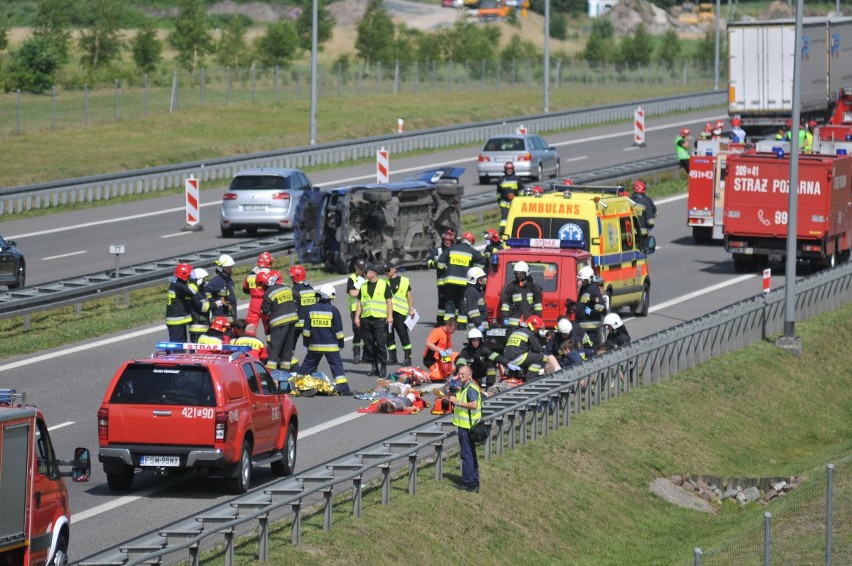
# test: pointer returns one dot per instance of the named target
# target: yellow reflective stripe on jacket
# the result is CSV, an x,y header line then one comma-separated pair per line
x,y
400,298
320,319
209,340
466,418
374,306
350,300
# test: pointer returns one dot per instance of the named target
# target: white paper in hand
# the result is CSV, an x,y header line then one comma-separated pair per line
x,y
411,320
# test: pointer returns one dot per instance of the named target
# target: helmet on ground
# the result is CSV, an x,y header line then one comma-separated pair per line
x,y
326,292
273,277
684,132
469,237
474,274
534,322
297,272
613,320
360,264
509,166
262,278
639,187
474,334
708,127
736,121
220,323
491,235
198,273
564,326
183,271
264,260
586,273
225,261
521,267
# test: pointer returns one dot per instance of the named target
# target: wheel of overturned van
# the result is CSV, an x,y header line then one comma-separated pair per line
x,y
121,480
740,264
60,555
377,195
287,465
240,479
641,308
449,190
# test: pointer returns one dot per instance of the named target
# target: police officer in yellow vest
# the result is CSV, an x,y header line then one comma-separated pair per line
x,y
403,307
353,291
508,188
467,411
374,315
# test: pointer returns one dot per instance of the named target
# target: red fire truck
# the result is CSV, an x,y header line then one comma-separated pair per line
x,y
706,189
35,519
756,208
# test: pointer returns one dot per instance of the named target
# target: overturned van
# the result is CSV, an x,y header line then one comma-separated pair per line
x,y
399,221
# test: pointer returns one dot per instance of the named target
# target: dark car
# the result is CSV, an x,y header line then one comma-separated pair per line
x,y
13,267
399,221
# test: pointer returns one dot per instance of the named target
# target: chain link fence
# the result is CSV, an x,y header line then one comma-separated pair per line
x,y
22,112
810,525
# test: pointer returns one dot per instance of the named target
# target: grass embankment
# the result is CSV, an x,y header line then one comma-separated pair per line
x,y
581,495
218,131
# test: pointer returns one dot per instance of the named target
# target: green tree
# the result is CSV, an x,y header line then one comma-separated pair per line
x,y
146,49
520,50
670,49
706,53
470,42
33,65
52,19
231,49
4,38
636,50
558,26
280,44
191,36
305,24
101,44
375,33
599,47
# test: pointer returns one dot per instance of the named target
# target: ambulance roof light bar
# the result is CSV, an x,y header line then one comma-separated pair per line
x,y
605,190
545,243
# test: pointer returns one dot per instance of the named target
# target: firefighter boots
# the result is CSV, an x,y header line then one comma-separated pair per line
x,y
356,353
407,360
383,370
392,357
374,370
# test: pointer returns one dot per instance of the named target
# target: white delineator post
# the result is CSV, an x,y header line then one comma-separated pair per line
x,y
639,127
767,280
193,218
400,125
521,129
382,166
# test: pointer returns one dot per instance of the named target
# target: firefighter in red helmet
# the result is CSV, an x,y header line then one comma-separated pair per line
x,y
179,303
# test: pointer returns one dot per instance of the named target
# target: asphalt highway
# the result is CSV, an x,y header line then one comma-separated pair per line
x,y
68,383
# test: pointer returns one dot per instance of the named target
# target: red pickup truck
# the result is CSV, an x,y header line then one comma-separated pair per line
x,y
196,406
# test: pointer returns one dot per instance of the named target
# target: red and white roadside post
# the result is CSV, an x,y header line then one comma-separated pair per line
x,y
639,127
767,280
521,129
382,166
193,218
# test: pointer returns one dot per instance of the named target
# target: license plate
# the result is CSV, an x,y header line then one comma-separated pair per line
x,y
254,207
160,461
495,332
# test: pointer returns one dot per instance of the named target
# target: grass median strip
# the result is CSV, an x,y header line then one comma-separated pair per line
x,y
581,495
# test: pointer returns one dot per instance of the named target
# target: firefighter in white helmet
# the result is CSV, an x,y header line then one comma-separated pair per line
x,y
221,289
521,297
616,331
473,312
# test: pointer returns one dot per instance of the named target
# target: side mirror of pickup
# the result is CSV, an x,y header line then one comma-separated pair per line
x,y
652,244
81,469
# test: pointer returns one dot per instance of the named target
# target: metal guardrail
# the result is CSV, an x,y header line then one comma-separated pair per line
x,y
103,187
516,416
23,302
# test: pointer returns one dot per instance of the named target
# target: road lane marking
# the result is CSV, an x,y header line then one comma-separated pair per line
x,y
704,291
60,256
175,235
60,425
340,181
580,158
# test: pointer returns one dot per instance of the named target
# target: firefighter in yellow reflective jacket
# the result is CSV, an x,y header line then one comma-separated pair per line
x,y
456,260
279,306
508,188
201,304
323,333
179,303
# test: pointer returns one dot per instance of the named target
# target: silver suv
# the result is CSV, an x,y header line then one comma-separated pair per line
x,y
532,156
262,198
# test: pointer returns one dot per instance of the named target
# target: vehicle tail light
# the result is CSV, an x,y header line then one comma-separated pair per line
x,y
229,196
221,425
103,423
811,248
525,157
281,196
483,158
736,244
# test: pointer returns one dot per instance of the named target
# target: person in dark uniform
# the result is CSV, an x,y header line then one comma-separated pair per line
x,y
280,308
323,334
374,315
508,188
353,290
